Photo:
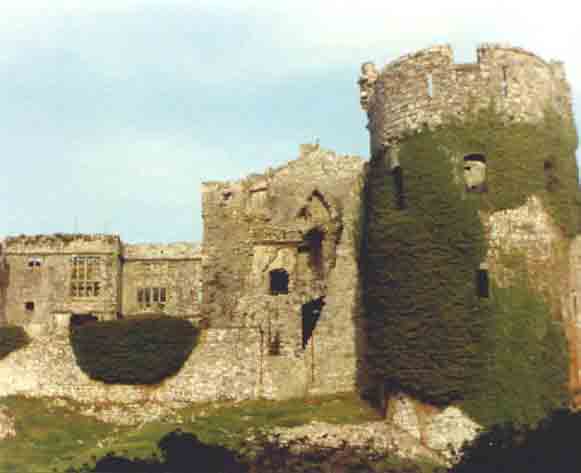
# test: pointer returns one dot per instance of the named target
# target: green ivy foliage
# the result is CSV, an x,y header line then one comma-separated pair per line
x,y
12,338
429,334
133,351
425,320
525,374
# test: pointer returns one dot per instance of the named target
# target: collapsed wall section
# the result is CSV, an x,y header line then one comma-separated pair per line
x,y
281,254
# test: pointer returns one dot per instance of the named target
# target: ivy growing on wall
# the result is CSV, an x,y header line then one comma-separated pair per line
x,y
12,338
429,333
133,351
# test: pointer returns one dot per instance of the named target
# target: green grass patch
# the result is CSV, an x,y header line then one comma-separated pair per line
x,y
133,351
48,437
12,338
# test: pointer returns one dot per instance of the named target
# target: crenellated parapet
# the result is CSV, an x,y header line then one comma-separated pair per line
x,y
427,87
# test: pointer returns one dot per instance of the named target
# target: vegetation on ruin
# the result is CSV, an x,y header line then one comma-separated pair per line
x,y
429,333
12,338
133,351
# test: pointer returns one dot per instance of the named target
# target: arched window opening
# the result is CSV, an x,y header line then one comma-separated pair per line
x,y
278,282
313,243
475,173
311,311
397,173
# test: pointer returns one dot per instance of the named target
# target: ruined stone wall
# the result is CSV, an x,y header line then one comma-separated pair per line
x,y
164,278
426,87
40,281
224,366
302,219
573,304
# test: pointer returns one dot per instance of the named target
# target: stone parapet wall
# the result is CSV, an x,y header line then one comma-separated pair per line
x,y
63,243
152,251
425,88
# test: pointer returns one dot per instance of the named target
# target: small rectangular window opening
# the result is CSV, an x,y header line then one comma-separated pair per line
x,y
504,81
29,306
482,283
398,188
430,82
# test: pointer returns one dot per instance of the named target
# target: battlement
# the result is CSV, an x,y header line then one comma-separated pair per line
x,y
62,243
427,87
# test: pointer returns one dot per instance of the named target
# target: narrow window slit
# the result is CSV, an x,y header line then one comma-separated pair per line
x,y
399,188
482,283
430,83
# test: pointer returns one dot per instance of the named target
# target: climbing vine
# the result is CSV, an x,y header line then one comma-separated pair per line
x,y
429,332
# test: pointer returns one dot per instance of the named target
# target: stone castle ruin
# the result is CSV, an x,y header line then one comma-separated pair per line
x,y
277,278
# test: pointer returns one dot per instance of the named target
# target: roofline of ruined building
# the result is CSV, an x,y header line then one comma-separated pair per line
x,y
7,242
305,150
481,47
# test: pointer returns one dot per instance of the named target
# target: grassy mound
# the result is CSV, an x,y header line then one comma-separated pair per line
x,y
12,338
133,351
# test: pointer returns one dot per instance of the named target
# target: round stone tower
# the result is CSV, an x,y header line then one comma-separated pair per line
x,y
471,208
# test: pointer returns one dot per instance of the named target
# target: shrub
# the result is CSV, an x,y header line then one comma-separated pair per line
x,y
12,338
140,351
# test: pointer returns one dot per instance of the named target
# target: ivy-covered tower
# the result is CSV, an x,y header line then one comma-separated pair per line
x,y
471,209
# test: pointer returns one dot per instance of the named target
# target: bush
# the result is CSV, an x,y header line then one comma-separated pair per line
x,y
550,446
141,351
12,338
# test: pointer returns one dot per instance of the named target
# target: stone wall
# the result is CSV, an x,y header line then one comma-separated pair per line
x,y
302,221
425,87
40,282
224,365
163,278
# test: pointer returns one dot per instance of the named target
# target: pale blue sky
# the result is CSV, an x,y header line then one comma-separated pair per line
x,y
113,112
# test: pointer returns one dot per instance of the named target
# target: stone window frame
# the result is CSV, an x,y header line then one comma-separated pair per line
x,y
85,277
152,297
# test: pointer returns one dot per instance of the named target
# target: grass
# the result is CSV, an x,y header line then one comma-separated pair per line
x,y
53,438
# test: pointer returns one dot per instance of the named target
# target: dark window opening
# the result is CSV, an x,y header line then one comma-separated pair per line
x,y
475,173
278,282
29,306
314,245
81,319
274,345
148,297
482,283
34,262
398,187
311,311
551,180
